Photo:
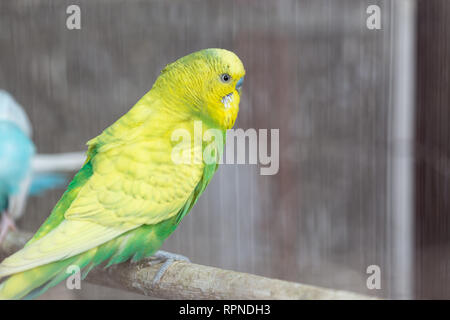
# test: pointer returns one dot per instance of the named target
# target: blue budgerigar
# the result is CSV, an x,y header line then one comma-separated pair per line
x,y
17,152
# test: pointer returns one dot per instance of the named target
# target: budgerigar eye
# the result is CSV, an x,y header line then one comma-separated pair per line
x,y
225,77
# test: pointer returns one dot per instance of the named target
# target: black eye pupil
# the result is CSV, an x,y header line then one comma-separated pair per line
x,y
225,77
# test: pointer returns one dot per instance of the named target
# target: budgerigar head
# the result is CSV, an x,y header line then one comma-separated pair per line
x,y
208,82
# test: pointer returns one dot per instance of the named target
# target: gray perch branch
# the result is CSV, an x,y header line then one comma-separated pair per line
x,y
184,280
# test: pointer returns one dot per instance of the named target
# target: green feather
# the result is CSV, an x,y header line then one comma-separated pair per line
x,y
57,215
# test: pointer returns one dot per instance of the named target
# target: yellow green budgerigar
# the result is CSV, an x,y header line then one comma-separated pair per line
x,y
130,195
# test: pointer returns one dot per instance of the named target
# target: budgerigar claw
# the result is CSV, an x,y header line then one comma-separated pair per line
x,y
168,259
6,224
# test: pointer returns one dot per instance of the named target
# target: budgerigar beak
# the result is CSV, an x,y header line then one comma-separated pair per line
x,y
239,85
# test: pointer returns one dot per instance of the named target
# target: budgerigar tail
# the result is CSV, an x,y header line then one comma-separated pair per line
x,y
136,244
33,282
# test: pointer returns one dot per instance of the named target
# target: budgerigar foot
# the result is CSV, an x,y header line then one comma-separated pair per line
x,y
6,224
168,259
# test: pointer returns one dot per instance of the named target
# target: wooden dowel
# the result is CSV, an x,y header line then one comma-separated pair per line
x,y
184,280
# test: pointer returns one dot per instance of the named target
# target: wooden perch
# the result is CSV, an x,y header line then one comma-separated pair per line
x,y
184,280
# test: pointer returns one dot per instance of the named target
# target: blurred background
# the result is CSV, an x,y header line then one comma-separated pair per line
x,y
362,113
